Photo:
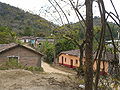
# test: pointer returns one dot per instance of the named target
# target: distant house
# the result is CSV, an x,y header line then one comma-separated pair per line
x,y
71,59
28,39
35,40
41,40
23,54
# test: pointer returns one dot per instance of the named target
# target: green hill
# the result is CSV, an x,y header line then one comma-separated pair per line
x,y
97,24
23,22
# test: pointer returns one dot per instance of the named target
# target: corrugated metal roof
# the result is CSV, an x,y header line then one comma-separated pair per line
x,y
72,52
107,56
6,46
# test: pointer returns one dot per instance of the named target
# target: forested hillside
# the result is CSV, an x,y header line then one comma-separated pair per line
x,y
24,23
96,23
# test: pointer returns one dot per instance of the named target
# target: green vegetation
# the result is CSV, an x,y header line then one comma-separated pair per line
x,y
53,49
48,49
7,35
13,64
31,68
97,26
64,45
24,23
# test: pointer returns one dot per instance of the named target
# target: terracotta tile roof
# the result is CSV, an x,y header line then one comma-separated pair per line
x,y
5,47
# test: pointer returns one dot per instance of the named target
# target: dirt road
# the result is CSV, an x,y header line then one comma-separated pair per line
x,y
47,68
51,79
26,80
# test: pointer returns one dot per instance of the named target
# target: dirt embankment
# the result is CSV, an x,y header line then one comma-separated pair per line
x,y
26,80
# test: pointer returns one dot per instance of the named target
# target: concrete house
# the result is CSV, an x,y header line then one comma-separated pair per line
x,y
71,59
23,54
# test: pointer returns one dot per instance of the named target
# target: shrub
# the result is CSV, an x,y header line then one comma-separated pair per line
x,y
38,69
13,64
3,68
32,68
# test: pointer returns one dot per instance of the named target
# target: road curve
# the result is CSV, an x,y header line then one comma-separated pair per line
x,y
47,68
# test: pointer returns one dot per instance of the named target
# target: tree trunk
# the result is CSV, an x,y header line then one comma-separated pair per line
x,y
89,46
102,41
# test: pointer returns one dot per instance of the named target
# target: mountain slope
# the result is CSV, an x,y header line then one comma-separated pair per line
x,y
97,24
20,20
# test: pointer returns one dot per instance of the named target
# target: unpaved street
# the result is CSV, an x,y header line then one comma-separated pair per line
x,y
26,80
51,79
47,68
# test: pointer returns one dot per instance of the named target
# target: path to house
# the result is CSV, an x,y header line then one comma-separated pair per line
x,y
47,68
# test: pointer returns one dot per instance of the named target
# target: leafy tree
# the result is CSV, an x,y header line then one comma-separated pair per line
x,y
64,45
48,49
28,31
7,35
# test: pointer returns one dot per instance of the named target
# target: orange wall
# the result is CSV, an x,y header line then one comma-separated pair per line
x,y
74,58
68,59
101,66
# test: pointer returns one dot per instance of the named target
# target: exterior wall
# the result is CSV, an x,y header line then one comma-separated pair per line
x,y
27,40
25,56
103,64
68,60
32,41
74,58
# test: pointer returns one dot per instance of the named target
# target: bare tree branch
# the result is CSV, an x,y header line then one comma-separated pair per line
x,y
57,11
62,11
109,14
76,9
115,9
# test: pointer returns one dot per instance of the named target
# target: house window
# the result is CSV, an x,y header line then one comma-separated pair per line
x,y
13,58
76,61
65,59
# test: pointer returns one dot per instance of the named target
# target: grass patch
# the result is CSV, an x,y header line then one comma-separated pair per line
x,y
31,68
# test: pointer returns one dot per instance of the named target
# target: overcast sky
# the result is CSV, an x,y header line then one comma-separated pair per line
x,y
35,7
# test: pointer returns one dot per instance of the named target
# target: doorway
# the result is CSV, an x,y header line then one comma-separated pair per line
x,y
71,63
62,60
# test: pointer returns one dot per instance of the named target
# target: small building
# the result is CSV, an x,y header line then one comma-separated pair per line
x,y
23,54
35,41
43,39
28,39
71,59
